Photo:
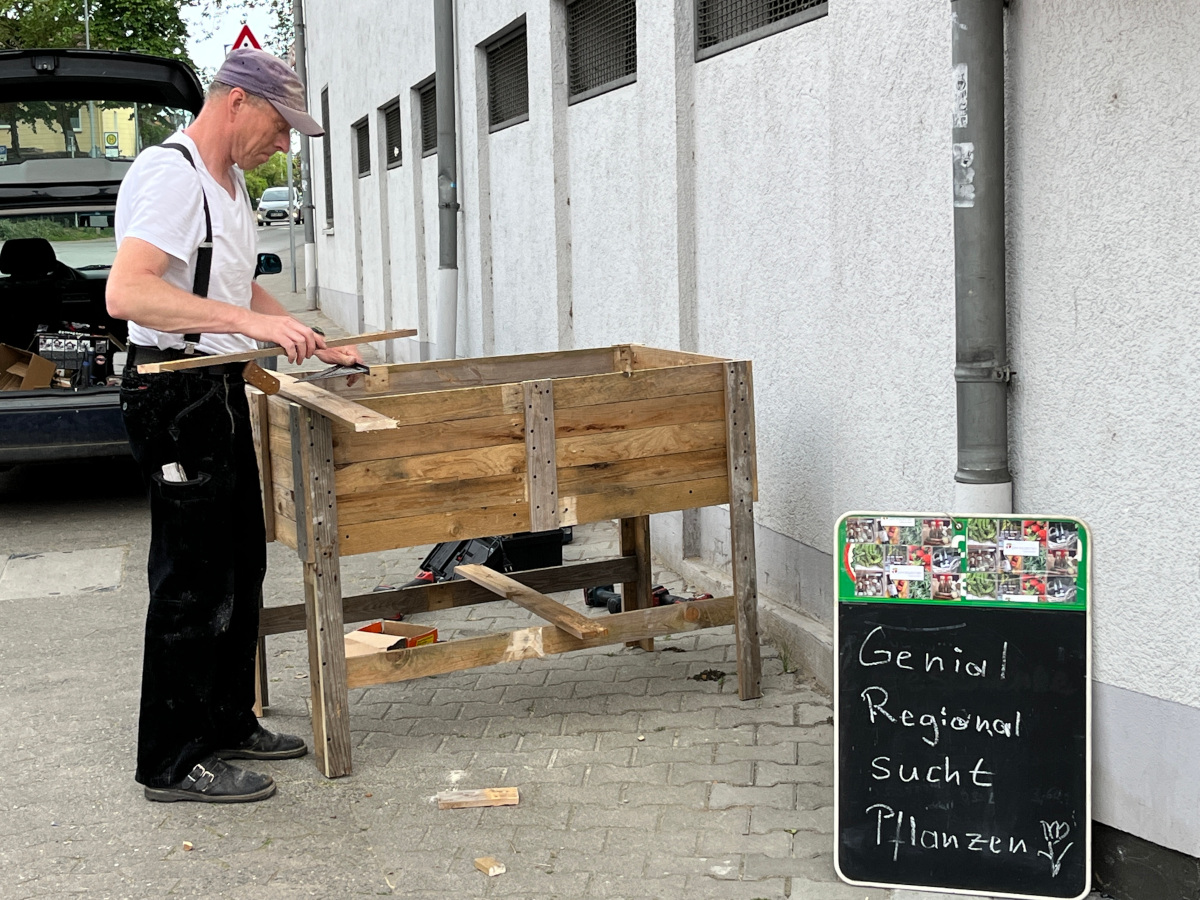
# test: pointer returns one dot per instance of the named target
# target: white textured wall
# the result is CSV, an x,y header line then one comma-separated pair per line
x,y
823,235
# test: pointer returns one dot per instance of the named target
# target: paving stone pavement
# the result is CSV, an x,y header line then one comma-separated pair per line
x,y
638,777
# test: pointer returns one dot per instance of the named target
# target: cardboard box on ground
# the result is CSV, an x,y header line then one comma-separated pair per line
x,y
381,636
21,370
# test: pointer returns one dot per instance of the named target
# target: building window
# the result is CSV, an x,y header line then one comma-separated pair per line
x,y
77,120
362,142
427,95
327,151
391,128
508,77
601,46
724,24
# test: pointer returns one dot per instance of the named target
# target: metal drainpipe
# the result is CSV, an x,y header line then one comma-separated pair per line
x,y
447,280
306,201
983,482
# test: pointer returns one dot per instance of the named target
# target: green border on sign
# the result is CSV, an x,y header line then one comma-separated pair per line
x,y
1046,568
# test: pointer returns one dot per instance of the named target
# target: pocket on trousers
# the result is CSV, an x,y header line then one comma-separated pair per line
x,y
194,489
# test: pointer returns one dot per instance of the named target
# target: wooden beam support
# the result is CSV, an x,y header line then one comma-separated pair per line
x,y
260,427
635,593
739,408
353,415
541,481
450,594
569,620
532,643
323,597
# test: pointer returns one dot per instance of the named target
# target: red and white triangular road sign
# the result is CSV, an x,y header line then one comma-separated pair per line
x,y
246,38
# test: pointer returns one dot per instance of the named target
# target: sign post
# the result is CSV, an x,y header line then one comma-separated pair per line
x,y
962,704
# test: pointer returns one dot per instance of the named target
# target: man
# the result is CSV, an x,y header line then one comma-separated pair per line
x,y
184,278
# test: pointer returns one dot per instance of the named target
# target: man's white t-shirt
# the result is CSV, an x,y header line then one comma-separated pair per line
x,y
160,203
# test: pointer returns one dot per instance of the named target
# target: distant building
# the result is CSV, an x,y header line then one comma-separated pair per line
x,y
783,191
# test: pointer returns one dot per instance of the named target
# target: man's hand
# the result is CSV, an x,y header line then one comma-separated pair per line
x,y
340,356
297,339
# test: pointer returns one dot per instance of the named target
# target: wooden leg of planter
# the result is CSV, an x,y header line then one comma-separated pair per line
x,y
312,444
635,542
739,411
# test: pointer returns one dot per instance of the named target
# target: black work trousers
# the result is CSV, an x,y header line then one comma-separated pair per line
x,y
206,567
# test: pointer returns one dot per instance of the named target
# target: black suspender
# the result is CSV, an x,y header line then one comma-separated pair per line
x,y
203,253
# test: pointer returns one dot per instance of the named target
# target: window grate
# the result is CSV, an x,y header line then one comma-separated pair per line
x,y
428,97
362,138
391,128
601,45
508,80
721,23
326,151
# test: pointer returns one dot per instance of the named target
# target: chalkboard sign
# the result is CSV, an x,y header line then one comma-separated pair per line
x,y
962,703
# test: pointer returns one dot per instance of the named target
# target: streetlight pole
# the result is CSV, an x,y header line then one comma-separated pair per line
x,y
87,43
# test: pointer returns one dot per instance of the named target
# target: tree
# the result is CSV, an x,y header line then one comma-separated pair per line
x,y
144,26
272,173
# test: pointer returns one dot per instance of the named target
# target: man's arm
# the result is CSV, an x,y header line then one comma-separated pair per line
x,y
136,290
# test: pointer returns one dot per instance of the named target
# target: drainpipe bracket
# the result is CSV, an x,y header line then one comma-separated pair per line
x,y
983,373
454,206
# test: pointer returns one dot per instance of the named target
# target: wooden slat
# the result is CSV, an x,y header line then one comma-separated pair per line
x,y
400,499
467,403
300,441
685,409
452,594
644,442
221,359
483,462
532,643
507,796
443,375
257,402
739,403
626,502
635,593
643,385
285,531
654,357
412,531
431,437
569,620
352,415
637,473
323,602
541,472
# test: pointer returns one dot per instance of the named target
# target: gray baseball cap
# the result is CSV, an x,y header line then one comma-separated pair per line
x,y
258,72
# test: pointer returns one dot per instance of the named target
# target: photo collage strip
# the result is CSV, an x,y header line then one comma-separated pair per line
x,y
1006,560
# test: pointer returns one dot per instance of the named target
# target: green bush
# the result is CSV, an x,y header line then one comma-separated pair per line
x,y
11,229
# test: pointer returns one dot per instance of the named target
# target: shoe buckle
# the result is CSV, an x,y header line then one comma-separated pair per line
x,y
198,780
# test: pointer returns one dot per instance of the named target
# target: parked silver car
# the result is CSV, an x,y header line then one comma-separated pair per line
x,y
273,206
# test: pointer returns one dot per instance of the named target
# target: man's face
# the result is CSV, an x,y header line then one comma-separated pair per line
x,y
259,131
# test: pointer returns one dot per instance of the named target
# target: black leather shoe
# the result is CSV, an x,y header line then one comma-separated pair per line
x,y
265,745
215,781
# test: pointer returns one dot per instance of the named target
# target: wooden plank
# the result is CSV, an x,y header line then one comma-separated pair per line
x,y
285,531
412,531
645,472
323,601
466,403
452,594
532,643
300,440
431,437
482,797
483,462
490,866
626,502
600,418
257,401
450,374
643,385
569,620
598,448
220,359
399,499
635,593
739,403
654,357
352,415
377,379
541,479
